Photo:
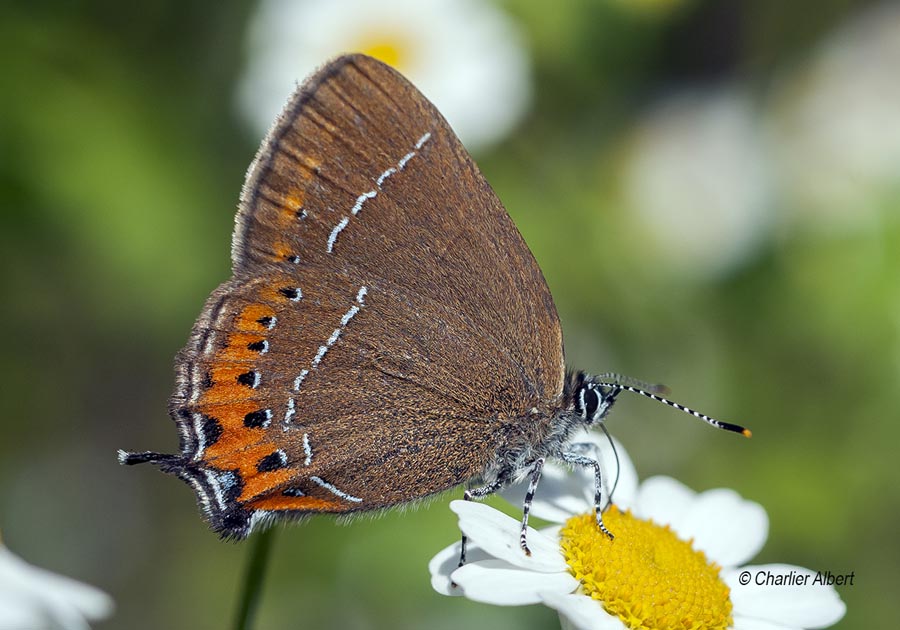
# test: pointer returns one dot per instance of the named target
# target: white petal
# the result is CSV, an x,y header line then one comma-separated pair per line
x,y
59,601
20,610
496,582
446,561
746,623
624,479
727,528
552,531
498,535
664,500
582,612
807,606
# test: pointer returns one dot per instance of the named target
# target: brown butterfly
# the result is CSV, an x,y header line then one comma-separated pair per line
x,y
386,334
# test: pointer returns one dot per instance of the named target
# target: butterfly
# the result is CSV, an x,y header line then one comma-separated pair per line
x,y
386,334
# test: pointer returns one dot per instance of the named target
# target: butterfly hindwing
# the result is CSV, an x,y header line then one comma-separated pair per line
x,y
342,414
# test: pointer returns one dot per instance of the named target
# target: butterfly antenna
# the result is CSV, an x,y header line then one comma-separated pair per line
x,y
619,379
735,428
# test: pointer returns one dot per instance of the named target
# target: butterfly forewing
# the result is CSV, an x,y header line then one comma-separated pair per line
x,y
362,172
385,326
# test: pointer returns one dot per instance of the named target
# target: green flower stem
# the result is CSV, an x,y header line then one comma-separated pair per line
x,y
253,579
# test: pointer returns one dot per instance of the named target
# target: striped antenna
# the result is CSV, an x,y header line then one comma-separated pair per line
x,y
716,423
619,379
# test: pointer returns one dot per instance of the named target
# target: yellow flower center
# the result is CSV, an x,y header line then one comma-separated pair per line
x,y
390,48
647,576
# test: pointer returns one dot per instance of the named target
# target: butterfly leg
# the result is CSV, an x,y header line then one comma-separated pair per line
x,y
577,459
591,449
536,468
476,494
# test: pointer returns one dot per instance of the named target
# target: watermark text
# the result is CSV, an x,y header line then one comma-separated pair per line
x,y
766,577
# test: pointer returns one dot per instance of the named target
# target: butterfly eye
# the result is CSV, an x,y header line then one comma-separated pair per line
x,y
589,400
592,400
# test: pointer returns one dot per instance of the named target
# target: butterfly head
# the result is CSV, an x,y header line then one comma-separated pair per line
x,y
592,399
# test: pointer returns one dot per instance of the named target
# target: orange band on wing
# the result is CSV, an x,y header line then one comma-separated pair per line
x,y
230,383
261,483
244,457
249,317
294,201
239,347
303,504
282,250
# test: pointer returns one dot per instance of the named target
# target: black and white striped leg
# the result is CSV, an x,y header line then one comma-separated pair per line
x,y
536,469
476,494
576,459
591,450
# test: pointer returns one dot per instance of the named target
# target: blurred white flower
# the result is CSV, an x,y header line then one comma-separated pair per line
x,y
835,124
673,564
695,181
35,599
465,55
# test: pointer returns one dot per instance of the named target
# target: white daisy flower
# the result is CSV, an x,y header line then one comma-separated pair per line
x,y
465,55
35,599
696,183
675,562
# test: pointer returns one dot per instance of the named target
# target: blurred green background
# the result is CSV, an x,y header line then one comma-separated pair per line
x,y
760,283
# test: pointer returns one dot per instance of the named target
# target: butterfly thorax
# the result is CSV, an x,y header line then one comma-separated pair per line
x,y
546,433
